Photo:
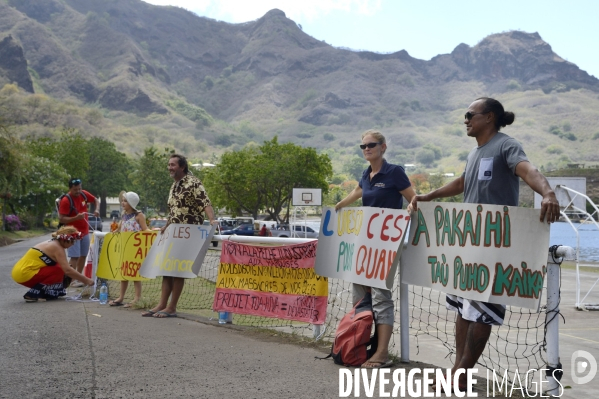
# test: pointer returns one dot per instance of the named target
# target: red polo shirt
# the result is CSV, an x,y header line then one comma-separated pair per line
x,y
80,205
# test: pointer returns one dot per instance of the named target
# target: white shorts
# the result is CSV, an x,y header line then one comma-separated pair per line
x,y
479,312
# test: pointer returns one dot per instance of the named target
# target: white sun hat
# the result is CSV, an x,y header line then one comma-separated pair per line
x,y
132,199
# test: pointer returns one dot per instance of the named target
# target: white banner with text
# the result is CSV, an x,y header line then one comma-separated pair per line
x,y
361,244
488,253
178,252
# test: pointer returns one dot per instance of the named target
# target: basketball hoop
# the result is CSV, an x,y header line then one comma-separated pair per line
x,y
307,197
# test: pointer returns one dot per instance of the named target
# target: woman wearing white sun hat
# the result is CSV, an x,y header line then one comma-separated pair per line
x,y
132,220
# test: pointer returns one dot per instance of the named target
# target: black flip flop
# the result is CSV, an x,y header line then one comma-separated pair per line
x,y
115,303
148,313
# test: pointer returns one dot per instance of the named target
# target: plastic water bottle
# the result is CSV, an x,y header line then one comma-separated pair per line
x,y
103,294
222,317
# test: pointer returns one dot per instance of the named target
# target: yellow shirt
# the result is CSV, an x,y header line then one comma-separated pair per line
x,y
30,264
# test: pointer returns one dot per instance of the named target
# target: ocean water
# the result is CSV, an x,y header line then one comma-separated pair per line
x,y
564,234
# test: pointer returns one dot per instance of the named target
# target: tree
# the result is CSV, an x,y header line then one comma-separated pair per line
x,y
425,156
45,181
263,178
108,171
232,183
355,167
11,160
288,166
12,176
151,180
70,150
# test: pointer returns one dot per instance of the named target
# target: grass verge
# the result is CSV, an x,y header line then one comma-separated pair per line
x,y
10,237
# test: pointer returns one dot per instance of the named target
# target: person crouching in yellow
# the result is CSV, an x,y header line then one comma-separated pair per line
x,y
43,268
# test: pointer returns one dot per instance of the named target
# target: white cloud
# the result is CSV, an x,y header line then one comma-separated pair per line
x,y
243,10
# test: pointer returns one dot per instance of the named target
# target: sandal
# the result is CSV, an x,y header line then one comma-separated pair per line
x,y
29,299
148,313
115,303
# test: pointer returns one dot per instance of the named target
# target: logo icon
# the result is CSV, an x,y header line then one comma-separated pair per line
x,y
584,367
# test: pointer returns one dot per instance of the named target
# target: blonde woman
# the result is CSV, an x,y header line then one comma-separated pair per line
x,y
132,220
43,268
382,185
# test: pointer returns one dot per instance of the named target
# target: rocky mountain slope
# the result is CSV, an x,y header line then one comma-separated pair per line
x,y
223,85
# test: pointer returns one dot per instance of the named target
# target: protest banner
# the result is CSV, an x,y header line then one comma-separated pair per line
x,y
361,245
271,282
122,255
178,252
489,253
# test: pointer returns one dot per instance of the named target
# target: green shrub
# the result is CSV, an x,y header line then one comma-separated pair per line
x,y
567,126
554,129
453,131
568,136
463,156
425,156
224,140
328,137
192,112
227,71
554,149
513,85
209,82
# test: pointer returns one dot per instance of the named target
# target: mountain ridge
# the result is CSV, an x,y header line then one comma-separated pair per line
x,y
267,77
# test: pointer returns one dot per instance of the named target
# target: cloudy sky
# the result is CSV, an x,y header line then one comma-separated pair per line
x,y
425,28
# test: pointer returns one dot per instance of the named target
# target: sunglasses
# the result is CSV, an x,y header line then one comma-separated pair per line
x,y
75,181
470,115
369,145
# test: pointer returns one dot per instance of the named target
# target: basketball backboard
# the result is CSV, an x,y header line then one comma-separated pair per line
x,y
307,197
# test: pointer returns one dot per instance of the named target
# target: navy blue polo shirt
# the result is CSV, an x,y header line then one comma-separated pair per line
x,y
383,191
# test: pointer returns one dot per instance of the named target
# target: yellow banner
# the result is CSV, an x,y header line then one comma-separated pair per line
x,y
122,255
293,281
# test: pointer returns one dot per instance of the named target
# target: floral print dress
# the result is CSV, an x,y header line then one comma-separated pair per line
x,y
129,223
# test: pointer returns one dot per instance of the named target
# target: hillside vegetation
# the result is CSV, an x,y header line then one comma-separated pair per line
x,y
141,75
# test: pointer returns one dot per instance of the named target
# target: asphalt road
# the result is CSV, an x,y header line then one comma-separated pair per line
x,y
69,349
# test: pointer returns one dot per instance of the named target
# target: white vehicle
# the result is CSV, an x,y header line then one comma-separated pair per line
x,y
298,231
231,223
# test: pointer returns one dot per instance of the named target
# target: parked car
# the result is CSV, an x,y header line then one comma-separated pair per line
x,y
242,230
157,223
299,231
115,214
95,222
227,223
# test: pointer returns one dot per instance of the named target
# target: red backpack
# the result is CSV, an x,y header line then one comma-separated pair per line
x,y
352,338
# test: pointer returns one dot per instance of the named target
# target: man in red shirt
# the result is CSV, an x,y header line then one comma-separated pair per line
x,y
74,213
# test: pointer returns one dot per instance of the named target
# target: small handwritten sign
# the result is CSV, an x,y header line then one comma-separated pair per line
x,y
488,253
271,282
178,252
361,245
123,253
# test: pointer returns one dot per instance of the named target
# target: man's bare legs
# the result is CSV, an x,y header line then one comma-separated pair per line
x,y
381,356
171,287
470,340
